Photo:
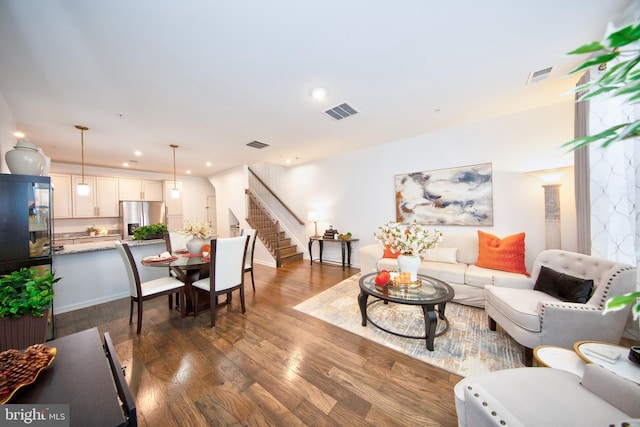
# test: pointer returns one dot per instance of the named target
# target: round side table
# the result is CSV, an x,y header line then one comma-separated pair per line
x,y
593,352
551,356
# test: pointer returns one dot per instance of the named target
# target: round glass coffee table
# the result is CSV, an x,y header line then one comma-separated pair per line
x,y
431,295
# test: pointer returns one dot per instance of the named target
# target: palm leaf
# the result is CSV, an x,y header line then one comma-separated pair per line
x,y
621,301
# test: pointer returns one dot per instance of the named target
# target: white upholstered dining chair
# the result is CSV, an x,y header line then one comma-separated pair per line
x,y
175,241
248,259
226,273
143,291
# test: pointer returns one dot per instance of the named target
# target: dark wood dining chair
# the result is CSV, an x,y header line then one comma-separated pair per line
x,y
175,241
226,273
248,260
143,291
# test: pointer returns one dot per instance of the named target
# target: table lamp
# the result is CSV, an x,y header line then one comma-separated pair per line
x,y
315,216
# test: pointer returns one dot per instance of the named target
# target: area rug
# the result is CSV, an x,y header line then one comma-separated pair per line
x,y
467,348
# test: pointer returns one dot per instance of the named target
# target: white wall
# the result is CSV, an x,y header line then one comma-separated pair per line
x,y
357,189
229,187
7,128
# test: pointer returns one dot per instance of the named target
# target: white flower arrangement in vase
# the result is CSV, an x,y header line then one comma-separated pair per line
x,y
199,229
412,239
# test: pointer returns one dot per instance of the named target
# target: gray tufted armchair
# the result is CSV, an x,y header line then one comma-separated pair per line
x,y
535,318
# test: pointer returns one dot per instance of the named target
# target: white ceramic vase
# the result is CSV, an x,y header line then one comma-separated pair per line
x,y
410,264
194,246
25,159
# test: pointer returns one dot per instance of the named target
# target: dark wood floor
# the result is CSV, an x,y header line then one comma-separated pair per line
x,y
272,366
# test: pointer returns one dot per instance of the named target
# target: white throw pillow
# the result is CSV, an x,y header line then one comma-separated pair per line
x,y
447,255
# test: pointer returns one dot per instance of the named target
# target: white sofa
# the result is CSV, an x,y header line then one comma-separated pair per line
x,y
453,261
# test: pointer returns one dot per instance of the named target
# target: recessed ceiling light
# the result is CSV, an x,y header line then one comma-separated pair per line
x,y
18,134
287,161
188,172
137,153
125,164
319,93
208,163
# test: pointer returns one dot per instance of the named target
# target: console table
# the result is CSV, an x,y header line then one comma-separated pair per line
x,y
80,377
345,244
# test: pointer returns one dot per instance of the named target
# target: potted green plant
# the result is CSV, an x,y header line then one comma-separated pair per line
x,y
26,296
147,232
619,79
92,231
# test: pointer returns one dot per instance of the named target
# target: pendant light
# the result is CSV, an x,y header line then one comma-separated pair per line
x,y
175,193
83,187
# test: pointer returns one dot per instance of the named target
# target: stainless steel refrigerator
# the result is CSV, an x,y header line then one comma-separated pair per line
x,y
136,214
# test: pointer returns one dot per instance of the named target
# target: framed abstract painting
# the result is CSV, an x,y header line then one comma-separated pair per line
x,y
455,196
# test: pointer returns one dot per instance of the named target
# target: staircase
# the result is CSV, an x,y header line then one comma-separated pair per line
x,y
269,232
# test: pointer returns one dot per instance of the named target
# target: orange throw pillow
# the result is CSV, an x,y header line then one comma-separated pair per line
x,y
505,254
388,252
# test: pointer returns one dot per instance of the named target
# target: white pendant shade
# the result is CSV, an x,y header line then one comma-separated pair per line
x,y
83,189
175,192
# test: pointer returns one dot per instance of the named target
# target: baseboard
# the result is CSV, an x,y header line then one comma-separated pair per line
x,y
90,303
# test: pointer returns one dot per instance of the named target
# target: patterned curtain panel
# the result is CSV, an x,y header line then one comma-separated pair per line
x,y
614,186
615,190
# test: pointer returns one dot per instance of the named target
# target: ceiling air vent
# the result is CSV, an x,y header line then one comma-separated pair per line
x,y
536,76
257,144
341,111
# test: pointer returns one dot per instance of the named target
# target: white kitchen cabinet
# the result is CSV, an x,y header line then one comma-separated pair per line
x,y
174,206
62,195
152,191
129,189
107,197
84,206
102,200
135,189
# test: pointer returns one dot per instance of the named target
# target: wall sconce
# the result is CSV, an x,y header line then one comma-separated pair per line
x,y
315,216
551,184
175,192
83,187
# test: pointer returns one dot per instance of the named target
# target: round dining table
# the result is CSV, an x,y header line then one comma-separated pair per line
x,y
188,268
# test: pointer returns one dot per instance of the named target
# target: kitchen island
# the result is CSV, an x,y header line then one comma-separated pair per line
x,y
93,273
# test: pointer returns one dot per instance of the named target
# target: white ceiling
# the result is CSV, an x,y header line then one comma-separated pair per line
x,y
212,76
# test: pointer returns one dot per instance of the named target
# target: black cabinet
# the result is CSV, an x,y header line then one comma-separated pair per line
x,y
25,222
26,227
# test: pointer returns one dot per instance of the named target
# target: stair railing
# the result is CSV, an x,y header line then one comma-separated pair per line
x,y
284,216
267,226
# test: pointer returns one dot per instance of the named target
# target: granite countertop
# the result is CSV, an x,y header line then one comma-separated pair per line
x,y
85,235
102,246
